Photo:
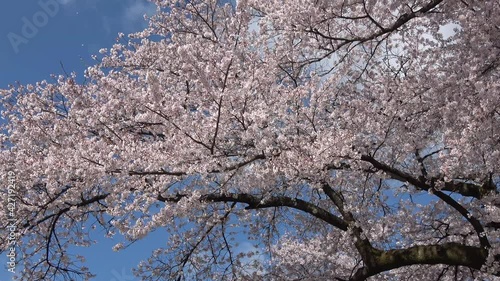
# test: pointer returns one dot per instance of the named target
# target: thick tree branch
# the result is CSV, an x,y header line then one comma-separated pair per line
x,y
469,189
361,243
257,202
405,177
449,254
461,187
403,19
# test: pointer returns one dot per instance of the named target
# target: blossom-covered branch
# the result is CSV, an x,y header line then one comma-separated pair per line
x,y
335,140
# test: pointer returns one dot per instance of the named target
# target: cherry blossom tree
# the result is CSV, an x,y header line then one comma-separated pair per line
x,y
344,140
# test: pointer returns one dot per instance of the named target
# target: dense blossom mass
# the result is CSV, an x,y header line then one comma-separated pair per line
x,y
342,139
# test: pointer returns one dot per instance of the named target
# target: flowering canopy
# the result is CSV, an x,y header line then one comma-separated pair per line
x,y
345,139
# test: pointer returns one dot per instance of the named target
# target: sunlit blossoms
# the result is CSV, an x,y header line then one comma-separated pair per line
x,y
341,140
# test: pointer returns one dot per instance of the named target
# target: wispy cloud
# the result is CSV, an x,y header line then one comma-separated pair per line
x,y
106,24
66,2
133,15
79,4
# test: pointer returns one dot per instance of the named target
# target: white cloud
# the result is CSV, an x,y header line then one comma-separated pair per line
x,y
134,14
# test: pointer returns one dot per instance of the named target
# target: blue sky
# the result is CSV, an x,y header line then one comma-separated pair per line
x,y
70,31
78,29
